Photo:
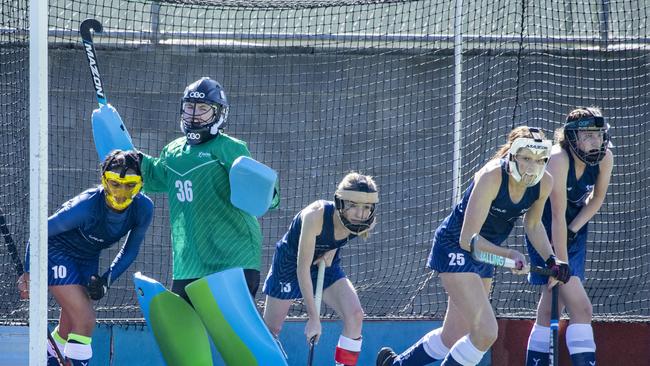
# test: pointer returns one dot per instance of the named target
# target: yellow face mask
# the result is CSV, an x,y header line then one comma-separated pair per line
x,y
120,191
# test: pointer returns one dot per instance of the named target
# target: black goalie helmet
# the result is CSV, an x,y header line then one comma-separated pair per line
x,y
201,125
594,123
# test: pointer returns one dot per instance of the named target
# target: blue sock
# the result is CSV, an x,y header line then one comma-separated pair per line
x,y
584,359
414,356
52,360
534,358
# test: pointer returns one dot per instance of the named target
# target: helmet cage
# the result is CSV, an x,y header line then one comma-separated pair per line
x,y
343,196
588,124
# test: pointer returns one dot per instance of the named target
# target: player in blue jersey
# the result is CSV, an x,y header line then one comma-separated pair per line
x,y
512,184
581,166
317,233
77,233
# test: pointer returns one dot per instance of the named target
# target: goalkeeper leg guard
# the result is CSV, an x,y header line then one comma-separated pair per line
x,y
539,345
581,344
78,350
463,353
347,351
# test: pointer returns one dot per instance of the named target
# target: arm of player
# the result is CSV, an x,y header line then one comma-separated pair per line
x,y
70,216
558,167
312,222
595,201
533,219
154,172
131,247
486,187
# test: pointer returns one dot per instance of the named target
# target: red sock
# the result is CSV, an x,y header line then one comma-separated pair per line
x,y
347,351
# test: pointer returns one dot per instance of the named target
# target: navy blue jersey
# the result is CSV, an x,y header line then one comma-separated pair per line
x,y
287,247
282,279
502,215
85,225
577,192
446,253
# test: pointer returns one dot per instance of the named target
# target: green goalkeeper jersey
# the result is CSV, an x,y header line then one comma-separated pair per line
x,y
209,234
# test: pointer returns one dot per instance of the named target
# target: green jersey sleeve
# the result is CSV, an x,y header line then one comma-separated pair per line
x,y
154,173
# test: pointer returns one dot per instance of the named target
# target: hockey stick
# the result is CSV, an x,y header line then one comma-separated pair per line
x,y
20,270
59,357
91,54
555,325
500,261
318,298
10,245
109,132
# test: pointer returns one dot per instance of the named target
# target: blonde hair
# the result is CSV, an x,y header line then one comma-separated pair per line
x,y
517,132
354,181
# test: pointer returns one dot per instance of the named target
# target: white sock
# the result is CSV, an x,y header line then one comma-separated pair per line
x,y
539,339
433,345
580,338
465,353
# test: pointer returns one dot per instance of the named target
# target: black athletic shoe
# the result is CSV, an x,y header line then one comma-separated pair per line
x,y
385,357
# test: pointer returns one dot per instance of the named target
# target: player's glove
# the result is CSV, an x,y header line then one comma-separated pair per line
x,y
561,269
97,287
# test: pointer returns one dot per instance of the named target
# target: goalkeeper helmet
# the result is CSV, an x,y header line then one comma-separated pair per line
x,y
204,109
579,123
121,178
356,190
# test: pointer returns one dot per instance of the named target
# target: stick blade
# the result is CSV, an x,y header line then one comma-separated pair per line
x,y
109,132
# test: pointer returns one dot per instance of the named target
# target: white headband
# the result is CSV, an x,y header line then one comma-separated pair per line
x,y
358,197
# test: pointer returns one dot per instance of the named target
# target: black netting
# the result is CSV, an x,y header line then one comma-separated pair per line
x,y
321,88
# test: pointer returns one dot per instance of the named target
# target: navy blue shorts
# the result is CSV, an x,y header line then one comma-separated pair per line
x,y
282,281
577,256
65,270
448,257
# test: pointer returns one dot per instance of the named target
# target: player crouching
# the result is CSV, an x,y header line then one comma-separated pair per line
x,y
316,234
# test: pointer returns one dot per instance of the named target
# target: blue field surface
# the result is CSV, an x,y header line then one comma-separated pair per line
x,y
134,345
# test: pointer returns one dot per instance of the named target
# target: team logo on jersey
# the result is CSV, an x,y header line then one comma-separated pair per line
x,y
204,154
502,210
